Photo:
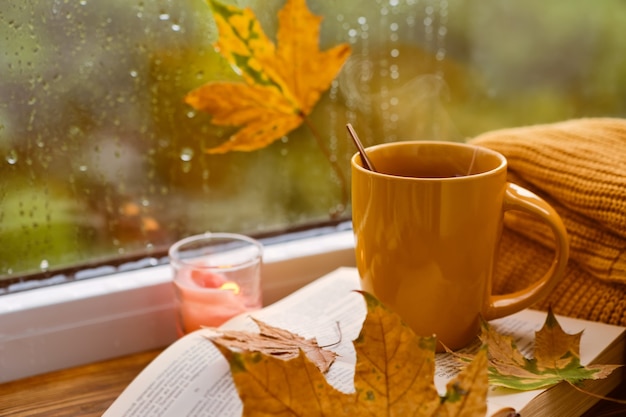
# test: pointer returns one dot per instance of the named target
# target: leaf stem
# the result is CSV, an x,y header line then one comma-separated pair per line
x,y
333,163
340,337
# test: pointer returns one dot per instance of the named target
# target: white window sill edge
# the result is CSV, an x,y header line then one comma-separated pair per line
x,y
81,322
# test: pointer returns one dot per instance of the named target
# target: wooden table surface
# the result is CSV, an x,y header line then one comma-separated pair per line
x,y
82,391
89,390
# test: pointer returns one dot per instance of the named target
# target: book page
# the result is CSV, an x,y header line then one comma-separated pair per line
x,y
189,378
192,378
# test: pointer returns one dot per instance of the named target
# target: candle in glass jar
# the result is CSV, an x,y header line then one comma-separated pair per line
x,y
216,277
208,299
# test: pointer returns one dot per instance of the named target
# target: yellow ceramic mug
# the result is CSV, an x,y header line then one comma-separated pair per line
x,y
427,226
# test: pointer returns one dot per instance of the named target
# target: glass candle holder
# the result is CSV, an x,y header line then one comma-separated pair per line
x,y
216,277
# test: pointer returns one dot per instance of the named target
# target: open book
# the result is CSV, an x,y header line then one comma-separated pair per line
x,y
191,378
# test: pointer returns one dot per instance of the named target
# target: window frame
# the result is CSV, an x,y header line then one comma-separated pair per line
x,y
80,322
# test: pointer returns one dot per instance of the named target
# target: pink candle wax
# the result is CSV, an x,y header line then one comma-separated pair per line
x,y
207,299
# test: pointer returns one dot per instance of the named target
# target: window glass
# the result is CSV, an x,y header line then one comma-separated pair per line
x,y
103,160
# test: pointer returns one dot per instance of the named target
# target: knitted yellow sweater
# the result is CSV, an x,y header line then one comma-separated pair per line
x,y
579,167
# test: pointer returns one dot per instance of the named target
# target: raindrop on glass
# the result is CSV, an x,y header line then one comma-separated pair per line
x,y
12,157
186,154
44,265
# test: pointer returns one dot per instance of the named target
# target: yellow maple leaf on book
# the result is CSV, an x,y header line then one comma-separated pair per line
x,y
281,83
394,376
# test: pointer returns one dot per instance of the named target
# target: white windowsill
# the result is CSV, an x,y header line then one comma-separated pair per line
x,y
71,324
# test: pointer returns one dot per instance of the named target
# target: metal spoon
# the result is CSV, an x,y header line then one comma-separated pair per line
x,y
364,159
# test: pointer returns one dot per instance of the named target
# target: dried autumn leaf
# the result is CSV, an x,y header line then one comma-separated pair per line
x,y
394,376
395,368
556,359
466,395
269,386
275,342
281,84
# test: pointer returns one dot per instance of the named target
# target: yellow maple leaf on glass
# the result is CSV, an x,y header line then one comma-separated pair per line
x,y
281,83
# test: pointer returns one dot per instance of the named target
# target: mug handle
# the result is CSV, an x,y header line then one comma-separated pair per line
x,y
519,198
